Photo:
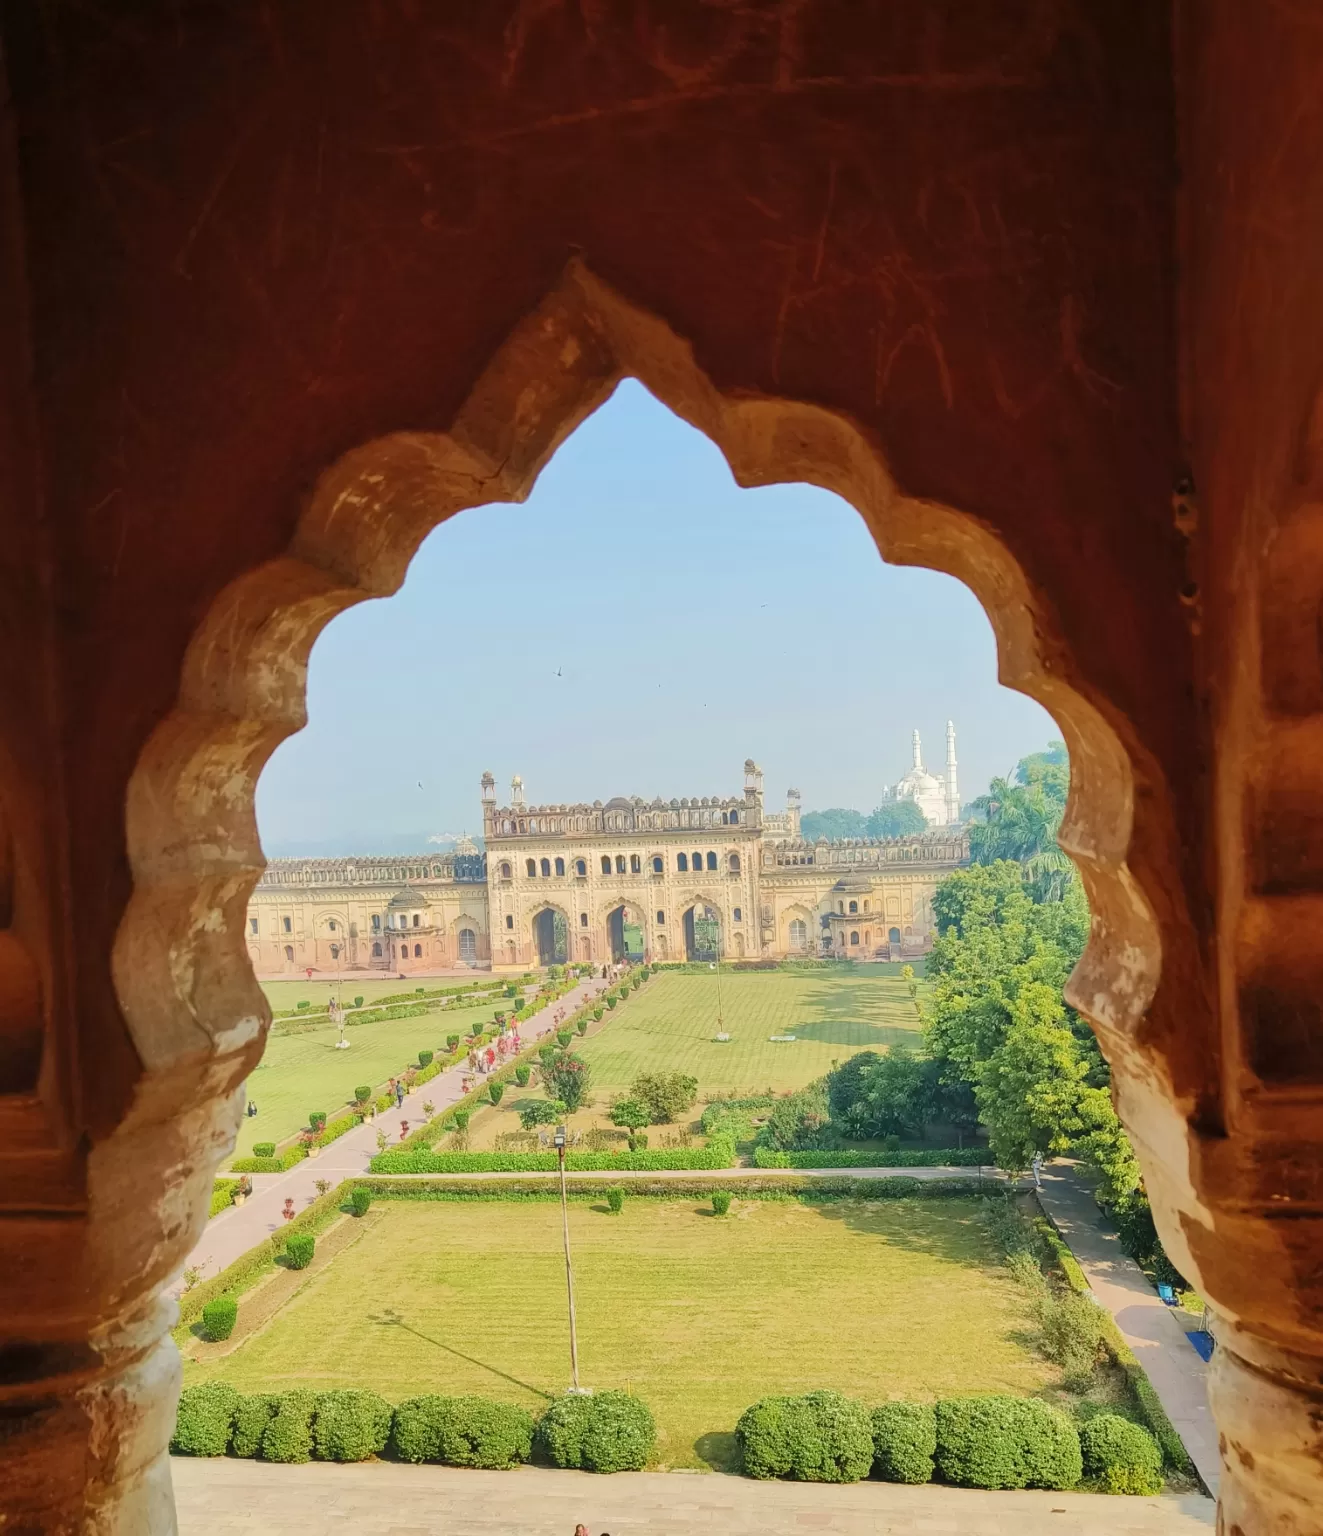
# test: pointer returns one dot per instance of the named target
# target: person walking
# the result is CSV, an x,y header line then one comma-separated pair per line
x,y
1037,1165
399,1095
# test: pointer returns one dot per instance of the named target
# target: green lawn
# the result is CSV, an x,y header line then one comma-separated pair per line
x,y
289,994
699,1316
302,1072
669,1026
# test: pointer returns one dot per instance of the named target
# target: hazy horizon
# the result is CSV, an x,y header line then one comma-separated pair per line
x,y
563,640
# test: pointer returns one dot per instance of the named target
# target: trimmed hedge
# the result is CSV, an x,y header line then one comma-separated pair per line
x,y
203,1419
252,1414
1005,1442
360,1200
218,1318
350,1426
222,1196
607,1432
941,1157
462,1432
1121,1457
904,1441
681,1158
821,1437
288,1434
299,1250
800,1187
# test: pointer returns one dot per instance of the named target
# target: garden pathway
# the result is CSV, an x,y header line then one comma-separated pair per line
x,y
1147,1324
227,1236
226,1497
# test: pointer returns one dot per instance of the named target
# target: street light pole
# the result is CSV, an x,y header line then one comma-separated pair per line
x,y
569,1271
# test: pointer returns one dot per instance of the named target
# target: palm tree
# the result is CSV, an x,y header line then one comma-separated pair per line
x,y
1021,823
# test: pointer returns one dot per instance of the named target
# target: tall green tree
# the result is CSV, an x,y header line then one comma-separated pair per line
x,y
833,824
896,818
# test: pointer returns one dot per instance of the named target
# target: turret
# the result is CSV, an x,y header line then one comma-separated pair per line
x,y
516,793
952,791
792,812
918,756
488,803
753,783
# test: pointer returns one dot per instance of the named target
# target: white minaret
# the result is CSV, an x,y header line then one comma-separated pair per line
x,y
918,756
517,792
952,793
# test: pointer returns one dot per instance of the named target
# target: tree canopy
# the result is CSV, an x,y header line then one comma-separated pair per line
x,y
832,824
895,818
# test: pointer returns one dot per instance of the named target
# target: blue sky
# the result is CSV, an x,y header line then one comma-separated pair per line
x,y
640,625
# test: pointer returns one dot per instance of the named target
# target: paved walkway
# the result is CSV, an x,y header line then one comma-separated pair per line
x,y
252,1498
227,1236
1178,1375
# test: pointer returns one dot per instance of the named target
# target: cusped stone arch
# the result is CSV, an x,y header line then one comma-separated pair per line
x,y
802,913
194,1012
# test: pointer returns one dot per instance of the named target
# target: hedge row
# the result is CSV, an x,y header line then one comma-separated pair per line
x,y
809,1191
968,1442
720,1153
605,1432
222,1196
1164,1431
940,1157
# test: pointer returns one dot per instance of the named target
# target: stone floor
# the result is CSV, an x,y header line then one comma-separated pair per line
x,y
249,1498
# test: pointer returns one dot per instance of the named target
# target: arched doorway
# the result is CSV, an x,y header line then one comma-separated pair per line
x,y
625,934
468,947
551,935
702,933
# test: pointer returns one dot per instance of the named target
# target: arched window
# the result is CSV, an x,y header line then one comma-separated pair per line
x,y
737,915
546,868
682,863
289,953
842,908
620,863
711,860
531,866
724,819
658,867
734,863
798,933
417,920
468,946
698,862
734,818
560,866
335,951
252,925
661,919
854,938
505,871
289,924
606,864
854,907
376,922
635,864
583,919
330,926
509,920
418,951
581,866
376,951
865,905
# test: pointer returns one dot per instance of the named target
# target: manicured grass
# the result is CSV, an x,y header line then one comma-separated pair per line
x,y
302,1072
698,1315
670,1024
289,994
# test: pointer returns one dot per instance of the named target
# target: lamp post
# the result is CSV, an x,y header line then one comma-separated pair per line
x,y
560,1140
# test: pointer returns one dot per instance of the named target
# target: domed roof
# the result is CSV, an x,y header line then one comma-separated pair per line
x,y
619,804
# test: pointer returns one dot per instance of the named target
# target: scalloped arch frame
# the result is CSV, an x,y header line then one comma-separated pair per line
x,y
181,969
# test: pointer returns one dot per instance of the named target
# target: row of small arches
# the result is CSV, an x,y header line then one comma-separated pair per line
x,y
550,867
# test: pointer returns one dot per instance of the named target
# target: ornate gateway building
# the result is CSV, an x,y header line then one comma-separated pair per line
x,y
678,879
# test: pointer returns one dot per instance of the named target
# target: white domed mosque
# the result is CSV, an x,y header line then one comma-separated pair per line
x,y
938,799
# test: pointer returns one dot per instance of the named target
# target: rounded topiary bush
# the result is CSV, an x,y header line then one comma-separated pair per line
x,y
252,1414
299,1249
1121,1457
218,1317
425,1058
821,1437
607,1432
264,1149
288,1434
522,1073
204,1419
496,1092
904,1439
720,1202
597,1014
360,1200
1005,1442
615,1199
463,1432
611,1000
317,1119
350,1426
362,1093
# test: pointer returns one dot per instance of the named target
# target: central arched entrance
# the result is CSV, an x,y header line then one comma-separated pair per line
x,y
625,934
702,933
551,934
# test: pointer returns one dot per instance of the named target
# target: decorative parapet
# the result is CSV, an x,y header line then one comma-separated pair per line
x,y
374,869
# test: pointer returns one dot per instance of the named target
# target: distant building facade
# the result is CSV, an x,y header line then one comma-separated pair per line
x,y
677,879
937,798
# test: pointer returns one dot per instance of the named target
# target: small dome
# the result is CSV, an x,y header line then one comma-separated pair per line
x,y
619,803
